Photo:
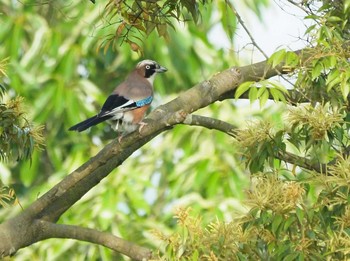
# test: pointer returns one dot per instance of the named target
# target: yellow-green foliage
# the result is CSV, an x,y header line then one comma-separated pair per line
x,y
282,223
293,206
196,241
18,137
7,195
318,119
298,200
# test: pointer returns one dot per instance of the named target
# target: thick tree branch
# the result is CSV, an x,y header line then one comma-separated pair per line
x,y
22,230
52,230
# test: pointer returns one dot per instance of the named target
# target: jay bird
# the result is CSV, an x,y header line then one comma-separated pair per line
x,y
126,107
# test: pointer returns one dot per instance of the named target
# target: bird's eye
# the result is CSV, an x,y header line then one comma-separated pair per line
x,y
148,67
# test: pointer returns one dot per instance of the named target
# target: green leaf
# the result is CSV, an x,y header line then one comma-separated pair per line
x,y
310,29
264,97
277,95
346,6
242,88
276,222
332,61
312,17
253,94
228,18
289,222
345,89
261,89
265,217
291,257
195,255
333,78
271,247
279,86
316,70
300,215
325,31
292,59
334,19
277,57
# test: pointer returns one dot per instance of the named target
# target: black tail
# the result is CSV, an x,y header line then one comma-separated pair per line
x,y
81,126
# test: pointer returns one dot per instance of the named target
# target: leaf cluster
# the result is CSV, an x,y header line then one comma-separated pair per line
x,y
262,91
316,133
320,77
193,241
134,21
17,137
7,195
294,214
281,224
259,144
144,17
314,124
325,75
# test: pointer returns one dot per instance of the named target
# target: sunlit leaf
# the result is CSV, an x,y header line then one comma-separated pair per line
x,y
277,95
253,94
316,70
228,18
242,88
334,19
277,57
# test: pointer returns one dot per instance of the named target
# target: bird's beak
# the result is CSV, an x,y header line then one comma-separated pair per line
x,y
161,69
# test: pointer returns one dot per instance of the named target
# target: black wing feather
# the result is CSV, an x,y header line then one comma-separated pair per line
x,y
115,101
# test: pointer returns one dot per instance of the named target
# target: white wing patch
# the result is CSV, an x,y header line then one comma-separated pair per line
x,y
118,110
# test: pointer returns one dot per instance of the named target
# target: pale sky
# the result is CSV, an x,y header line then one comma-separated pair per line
x,y
278,28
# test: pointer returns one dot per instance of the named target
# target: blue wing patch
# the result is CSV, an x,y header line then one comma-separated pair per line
x,y
144,102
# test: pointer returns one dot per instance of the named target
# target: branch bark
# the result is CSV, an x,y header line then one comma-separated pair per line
x,y
210,123
53,230
26,228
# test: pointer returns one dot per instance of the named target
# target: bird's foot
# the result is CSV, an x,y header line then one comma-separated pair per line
x,y
120,138
142,124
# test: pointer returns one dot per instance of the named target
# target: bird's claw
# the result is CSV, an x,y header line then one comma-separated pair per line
x,y
142,124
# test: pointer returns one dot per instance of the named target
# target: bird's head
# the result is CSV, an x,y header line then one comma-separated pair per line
x,y
149,69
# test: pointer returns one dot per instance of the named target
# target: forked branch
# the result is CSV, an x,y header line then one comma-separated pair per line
x,y
27,228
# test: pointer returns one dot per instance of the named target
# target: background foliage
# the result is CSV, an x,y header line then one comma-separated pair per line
x,y
278,190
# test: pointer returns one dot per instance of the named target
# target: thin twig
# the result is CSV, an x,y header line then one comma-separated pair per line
x,y
299,6
240,20
209,123
225,127
254,43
